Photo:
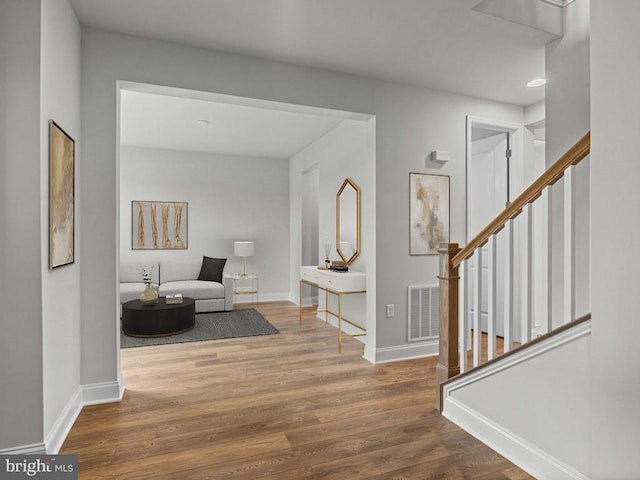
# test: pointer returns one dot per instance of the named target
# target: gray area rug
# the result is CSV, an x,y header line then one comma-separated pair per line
x,y
211,326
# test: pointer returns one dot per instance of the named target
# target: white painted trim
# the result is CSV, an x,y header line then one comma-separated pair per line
x,y
559,3
33,449
569,244
98,393
560,339
517,450
64,422
93,394
369,354
402,352
534,461
499,126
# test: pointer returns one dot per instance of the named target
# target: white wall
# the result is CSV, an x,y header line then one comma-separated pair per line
x,y
310,228
230,198
60,101
534,407
339,154
411,122
21,374
567,120
615,197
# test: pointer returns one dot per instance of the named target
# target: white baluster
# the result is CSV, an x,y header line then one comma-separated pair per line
x,y
491,294
463,316
477,307
569,294
527,272
545,262
508,286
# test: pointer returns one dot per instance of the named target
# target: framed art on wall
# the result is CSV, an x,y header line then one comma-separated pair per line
x,y
428,213
61,197
158,225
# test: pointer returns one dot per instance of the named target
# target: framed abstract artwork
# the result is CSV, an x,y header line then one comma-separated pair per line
x,y
159,225
428,213
61,197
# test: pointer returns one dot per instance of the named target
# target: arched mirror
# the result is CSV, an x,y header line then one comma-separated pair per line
x,y
348,221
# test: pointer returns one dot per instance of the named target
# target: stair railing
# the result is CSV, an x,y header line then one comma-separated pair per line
x,y
455,331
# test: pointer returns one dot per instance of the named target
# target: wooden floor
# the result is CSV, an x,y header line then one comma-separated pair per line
x,y
279,407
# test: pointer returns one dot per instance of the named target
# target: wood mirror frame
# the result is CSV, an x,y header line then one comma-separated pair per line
x,y
348,221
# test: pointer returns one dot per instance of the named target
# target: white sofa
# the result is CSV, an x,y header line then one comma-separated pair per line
x,y
170,278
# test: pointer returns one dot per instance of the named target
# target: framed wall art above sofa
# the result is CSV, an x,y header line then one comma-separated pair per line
x,y
159,225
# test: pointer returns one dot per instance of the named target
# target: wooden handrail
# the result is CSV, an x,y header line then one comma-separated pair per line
x,y
549,177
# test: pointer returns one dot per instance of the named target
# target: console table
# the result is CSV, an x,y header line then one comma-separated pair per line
x,y
338,284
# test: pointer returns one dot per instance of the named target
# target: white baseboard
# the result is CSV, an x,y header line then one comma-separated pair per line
x,y
97,393
263,297
530,458
369,354
387,354
34,449
402,352
92,394
63,423
534,461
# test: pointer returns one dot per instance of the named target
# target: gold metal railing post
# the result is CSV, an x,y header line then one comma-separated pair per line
x,y
449,361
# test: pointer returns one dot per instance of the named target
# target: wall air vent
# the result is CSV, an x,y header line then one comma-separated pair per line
x,y
423,312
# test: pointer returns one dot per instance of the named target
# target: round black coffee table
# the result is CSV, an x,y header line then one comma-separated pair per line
x,y
139,320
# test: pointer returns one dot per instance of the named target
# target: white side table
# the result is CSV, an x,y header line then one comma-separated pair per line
x,y
245,285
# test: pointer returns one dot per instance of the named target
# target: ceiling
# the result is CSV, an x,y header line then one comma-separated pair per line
x,y
170,118
442,44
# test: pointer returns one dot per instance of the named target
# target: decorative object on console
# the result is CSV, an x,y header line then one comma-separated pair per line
x,y
244,250
327,253
147,217
61,197
339,266
212,268
428,213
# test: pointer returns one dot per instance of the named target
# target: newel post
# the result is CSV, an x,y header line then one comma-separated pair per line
x,y
448,361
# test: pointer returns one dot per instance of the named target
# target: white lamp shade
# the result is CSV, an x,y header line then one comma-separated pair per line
x,y
243,249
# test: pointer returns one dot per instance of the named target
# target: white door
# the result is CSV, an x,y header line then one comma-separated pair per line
x,y
486,197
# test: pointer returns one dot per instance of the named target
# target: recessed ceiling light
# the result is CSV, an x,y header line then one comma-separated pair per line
x,y
538,82
203,122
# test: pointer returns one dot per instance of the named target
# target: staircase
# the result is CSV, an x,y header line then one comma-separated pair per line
x,y
522,398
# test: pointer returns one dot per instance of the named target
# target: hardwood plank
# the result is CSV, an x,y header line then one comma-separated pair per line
x,y
282,406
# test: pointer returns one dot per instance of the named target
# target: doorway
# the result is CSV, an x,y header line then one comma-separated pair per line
x,y
310,228
494,178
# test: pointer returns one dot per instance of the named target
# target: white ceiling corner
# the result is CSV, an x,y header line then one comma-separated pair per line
x,y
441,44
162,121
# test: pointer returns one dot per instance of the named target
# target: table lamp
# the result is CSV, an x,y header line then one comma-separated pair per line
x,y
244,250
